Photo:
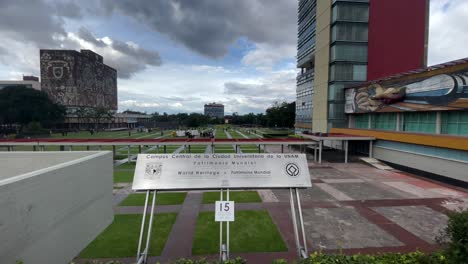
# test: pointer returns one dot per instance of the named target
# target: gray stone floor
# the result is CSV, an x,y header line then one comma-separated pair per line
x,y
421,221
344,228
364,191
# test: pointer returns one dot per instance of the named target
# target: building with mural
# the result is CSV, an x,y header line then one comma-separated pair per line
x,y
342,43
78,79
419,118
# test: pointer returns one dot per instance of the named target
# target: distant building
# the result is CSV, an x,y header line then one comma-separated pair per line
x,y
78,79
214,110
28,81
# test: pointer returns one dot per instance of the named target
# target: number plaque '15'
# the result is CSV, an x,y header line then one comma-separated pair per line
x,y
224,211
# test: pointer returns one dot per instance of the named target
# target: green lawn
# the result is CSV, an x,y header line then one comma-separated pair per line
x,y
220,133
235,134
120,239
197,149
224,149
120,157
251,150
115,134
236,196
138,199
123,175
252,231
126,166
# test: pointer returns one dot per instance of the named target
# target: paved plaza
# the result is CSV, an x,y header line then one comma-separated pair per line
x,y
351,208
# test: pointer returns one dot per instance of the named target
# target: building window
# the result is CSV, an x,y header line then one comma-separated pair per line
x,y
336,111
455,123
348,72
350,12
361,121
350,32
336,92
424,122
384,121
348,52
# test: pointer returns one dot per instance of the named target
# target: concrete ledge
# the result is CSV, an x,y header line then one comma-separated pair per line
x,y
444,167
50,213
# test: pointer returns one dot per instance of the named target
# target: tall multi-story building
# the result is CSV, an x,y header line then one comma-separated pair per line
x,y
345,42
214,110
28,81
78,79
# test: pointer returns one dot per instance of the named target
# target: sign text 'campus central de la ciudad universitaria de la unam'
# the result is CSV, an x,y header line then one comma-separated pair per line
x,y
220,171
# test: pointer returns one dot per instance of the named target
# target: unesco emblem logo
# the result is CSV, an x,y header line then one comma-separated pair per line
x,y
292,169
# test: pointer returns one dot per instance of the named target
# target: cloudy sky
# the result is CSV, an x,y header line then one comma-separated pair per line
x,y
175,55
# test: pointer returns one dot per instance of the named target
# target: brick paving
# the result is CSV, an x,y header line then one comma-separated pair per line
x,y
351,208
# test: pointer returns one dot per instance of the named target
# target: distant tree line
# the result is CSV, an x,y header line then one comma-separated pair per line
x,y
281,115
25,108
186,120
278,115
28,109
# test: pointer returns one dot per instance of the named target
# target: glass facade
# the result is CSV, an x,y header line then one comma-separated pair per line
x,y
304,95
451,122
306,30
350,12
348,31
455,123
384,121
361,121
305,50
348,54
423,122
348,72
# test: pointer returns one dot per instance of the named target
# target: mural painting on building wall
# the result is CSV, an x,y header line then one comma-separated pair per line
x,y
73,79
436,93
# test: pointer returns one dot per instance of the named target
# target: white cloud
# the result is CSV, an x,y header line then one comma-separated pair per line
x,y
447,31
265,56
186,88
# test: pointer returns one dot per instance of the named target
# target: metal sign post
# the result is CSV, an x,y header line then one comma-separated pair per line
x,y
224,247
301,249
164,172
142,256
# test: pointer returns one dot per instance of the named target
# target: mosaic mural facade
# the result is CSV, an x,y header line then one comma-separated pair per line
x,y
78,79
447,91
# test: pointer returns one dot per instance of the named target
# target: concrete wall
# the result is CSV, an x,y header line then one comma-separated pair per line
x,y
322,65
50,213
445,167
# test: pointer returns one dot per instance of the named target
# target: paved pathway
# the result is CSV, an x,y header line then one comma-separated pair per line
x,y
351,208
209,149
179,243
234,146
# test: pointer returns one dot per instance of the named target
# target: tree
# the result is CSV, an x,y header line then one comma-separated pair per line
x,y
22,105
281,114
83,114
100,114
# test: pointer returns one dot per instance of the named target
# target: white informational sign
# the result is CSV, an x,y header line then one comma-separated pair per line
x,y
216,171
224,211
